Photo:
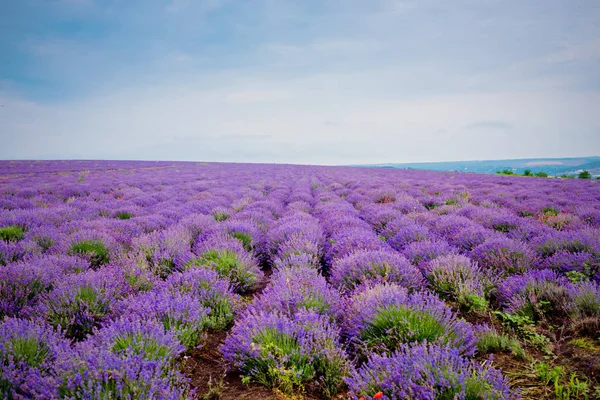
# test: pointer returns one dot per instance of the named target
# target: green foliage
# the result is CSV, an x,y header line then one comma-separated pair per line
x,y
505,228
429,205
471,302
527,172
11,233
138,344
395,325
274,346
541,174
524,213
584,175
139,281
574,389
220,216
493,342
221,312
245,238
45,243
548,374
188,333
576,276
215,389
86,300
586,343
563,390
550,211
477,388
567,176
28,350
228,265
524,327
124,215
586,304
93,249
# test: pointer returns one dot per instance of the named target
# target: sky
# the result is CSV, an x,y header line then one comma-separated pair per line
x,y
312,81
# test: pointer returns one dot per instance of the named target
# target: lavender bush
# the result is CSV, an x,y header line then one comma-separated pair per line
x,y
382,318
427,372
285,353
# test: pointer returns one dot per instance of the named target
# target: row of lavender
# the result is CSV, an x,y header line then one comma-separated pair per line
x,y
105,287
96,254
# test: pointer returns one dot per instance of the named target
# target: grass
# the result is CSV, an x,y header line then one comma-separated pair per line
x,y
94,249
12,233
493,342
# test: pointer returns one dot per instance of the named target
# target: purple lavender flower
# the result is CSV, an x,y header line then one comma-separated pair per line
x,y
246,232
136,337
535,294
422,252
230,260
565,261
78,303
300,226
375,266
462,234
212,292
164,252
427,372
94,246
297,260
299,288
585,300
381,318
21,286
456,277
199,226
180,313
347,241
409,234
28,352
587,241
11,252
286,353
504,255
101,374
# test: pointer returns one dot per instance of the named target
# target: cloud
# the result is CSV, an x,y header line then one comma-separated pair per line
x,y
312,82
494,125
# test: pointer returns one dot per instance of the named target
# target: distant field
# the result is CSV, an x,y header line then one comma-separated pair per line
x,y
122,279
552,166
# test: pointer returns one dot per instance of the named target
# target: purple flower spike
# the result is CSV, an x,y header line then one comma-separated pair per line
x,y
375,266
427,372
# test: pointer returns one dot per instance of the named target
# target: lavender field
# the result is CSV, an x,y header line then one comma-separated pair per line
x,y
162,280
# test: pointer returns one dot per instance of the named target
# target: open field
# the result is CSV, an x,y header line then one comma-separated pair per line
x,y
178,280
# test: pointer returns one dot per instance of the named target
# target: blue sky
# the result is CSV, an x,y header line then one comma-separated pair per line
x,y
319,82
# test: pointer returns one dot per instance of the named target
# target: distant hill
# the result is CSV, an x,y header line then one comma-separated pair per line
x,y
552,166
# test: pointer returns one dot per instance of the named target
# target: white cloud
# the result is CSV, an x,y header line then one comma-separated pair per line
x,y
186,122
277,81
